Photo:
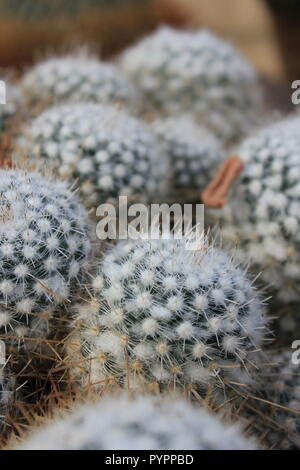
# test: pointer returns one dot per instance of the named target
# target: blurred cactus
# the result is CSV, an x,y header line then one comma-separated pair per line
x,y
110,152
196,72
73,79
119,423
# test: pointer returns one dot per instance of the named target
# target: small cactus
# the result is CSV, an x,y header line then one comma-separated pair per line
x,y
196,72
109,152
43,250
75,79
194,152
144,423
262,212
162,314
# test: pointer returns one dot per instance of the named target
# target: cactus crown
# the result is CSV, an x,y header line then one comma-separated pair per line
x,y
43,248
164,314
194,71
110,152
193,150
74,79
145,423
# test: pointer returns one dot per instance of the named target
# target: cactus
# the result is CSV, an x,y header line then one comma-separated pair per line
x,y
74,79
43,250
193,150
166,315
262,213
144,423
109,152
185,71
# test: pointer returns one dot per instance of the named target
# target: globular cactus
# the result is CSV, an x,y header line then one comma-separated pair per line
x,y
109,152
144,423
194,152
168,316
196,72
75,79
262,213
44,249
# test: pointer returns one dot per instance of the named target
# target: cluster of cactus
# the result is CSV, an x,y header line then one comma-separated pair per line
x,y
164,314
110,152
193,150
73,79
44,247
146,423
194,71
263,209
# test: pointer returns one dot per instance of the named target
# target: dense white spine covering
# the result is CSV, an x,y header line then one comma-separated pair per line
x,y
44,248
76,79
110,152
164,314
194,71
263,209
145,423
194,151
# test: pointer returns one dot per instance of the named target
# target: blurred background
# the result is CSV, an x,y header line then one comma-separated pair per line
x,y
266,31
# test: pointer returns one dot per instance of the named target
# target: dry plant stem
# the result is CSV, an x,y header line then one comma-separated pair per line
x,y
214,195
